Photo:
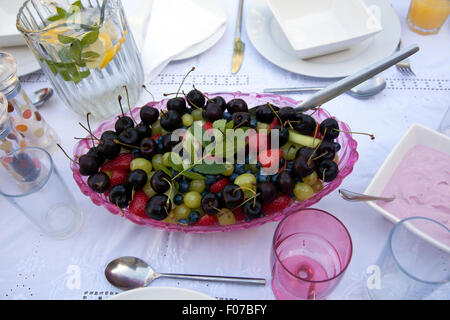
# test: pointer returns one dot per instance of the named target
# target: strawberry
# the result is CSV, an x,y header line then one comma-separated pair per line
x,y
269,158
207,125
137,206
121,162
238,214
207,220
156,137
274,123
118,177
217,186
258,141
281,202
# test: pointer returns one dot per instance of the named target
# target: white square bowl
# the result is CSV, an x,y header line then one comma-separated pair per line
x,y
417,134
319,27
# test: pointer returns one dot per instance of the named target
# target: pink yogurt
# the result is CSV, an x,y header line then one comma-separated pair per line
x,y
421,186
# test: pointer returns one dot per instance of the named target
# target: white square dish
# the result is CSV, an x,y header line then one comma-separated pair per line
x,y
9,35
320,27
416,135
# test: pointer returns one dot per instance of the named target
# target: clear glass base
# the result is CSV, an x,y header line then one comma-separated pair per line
x,y
419,30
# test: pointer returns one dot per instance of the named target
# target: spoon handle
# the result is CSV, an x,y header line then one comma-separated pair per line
x,y
241,280
353,196
292,90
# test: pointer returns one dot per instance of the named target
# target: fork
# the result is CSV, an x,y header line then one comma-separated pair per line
x,y
404,66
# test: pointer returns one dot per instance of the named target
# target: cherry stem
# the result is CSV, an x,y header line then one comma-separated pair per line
x,y
217,209
249,199
182,82
120,104
89,131
89,126
372,137
310,157
276,114
323,174
127,145
122,213
209,100
170,190
322,155
145,88
128,102
67,154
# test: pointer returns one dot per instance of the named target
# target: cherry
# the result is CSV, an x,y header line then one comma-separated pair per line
x,y
171,120
158,207
97,154
326,151
160,181
237,105
109,135
212,112
287,114
129,136
149,114
148,148
265,114
332,129
232,196
282,133
196,99
137,179
327,170
119,195
123,123
211,204
167,142
88,165
99,182
285,182
109,149
252,209
220,101
268,191
305,124
143,130
177,104
302,167
241,119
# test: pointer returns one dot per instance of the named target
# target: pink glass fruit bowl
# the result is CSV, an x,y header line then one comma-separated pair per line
x,y
347,159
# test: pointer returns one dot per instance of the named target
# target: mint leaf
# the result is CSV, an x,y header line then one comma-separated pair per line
x,y
65,39
230,125
89,38
78,4
54,18
214,168
61,12
192,175
75,50
90,55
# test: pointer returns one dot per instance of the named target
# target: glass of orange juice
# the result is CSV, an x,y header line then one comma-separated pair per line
x,y
427,16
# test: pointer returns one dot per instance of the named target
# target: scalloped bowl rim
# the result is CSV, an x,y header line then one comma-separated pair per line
x,y
99,200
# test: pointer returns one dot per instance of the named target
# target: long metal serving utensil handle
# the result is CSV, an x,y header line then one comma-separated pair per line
x,y
239,19
338,88
257,281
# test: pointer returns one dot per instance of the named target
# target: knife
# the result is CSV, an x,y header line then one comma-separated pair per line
x,y
239,46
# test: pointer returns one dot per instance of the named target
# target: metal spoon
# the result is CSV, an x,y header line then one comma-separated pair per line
x,y
366,89
353,196
39,97
129,273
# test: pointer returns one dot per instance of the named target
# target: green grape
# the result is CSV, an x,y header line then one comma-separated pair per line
x,y
192,199
303,191
157,160
311,179
141,163
156,128
261,126
182,211
229,169
197,186
197,114
165,159
148,190
187,120
226,217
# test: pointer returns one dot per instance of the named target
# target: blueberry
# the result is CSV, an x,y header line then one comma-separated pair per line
x,y
219,195
184,186
337,146
184,222
227,116
290,165
253,123
178,199
194,216
233,177
204,193
210,180
135,152
264,178
274,177
239,168
282,161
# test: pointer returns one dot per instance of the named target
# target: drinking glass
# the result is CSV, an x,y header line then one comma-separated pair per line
x,y
32,184
427,16
415,261
86,50
311,250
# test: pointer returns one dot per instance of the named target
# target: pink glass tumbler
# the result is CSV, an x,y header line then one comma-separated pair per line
x,y
311,250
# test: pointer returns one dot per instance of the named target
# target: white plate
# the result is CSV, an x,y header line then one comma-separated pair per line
x,y
215,7
269,40
9,35
416,134
26,62
161,293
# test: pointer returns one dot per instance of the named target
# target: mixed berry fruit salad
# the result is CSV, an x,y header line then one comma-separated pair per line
x,y
198,159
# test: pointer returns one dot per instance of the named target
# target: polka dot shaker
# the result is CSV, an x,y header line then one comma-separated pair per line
x,y
10,139
25,118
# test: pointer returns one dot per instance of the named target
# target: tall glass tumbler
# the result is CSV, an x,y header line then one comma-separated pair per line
x,y
414,262
32,184
87,51
311,250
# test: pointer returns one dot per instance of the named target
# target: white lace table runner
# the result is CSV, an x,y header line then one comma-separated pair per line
x,y
33,266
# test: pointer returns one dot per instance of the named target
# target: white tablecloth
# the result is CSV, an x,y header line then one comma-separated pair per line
x,y
33,266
